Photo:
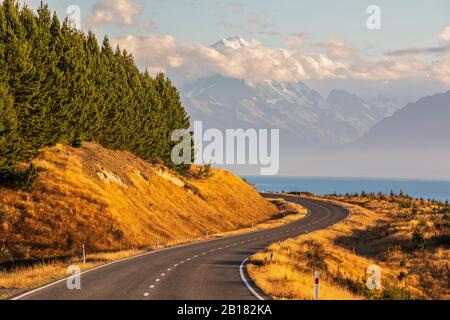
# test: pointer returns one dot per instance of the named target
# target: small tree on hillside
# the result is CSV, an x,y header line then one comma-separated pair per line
x,y
418,237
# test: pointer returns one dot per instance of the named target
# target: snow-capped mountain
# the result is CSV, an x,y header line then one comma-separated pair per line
x,y
302,114
231,43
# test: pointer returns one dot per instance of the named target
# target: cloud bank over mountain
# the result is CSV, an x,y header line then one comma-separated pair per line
x,y
256,62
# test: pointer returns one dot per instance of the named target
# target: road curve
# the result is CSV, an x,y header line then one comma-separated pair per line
x,y
201,271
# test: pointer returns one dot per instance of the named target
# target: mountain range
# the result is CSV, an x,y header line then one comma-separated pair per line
x,y
339,134
419,125
301,113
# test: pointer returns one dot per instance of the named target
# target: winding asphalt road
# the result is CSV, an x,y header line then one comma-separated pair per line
x,y
210,270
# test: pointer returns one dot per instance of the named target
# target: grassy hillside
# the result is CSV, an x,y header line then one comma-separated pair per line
x,y
112,200
407,238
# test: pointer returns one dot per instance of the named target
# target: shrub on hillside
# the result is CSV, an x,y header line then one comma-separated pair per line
x,y
418,238
16,178
396,293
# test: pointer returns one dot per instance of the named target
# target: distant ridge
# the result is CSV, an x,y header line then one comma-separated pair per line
x,y
422,124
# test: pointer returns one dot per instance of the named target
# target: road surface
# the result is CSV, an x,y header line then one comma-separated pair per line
x,y
211,270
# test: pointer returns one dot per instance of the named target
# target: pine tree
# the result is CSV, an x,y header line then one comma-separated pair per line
x,y
9,143
59,86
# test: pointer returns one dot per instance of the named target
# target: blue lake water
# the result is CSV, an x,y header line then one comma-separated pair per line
x,y
426,189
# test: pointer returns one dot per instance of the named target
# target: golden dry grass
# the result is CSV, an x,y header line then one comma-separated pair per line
x,y
378,232
288,213
21,279
113,200
25,278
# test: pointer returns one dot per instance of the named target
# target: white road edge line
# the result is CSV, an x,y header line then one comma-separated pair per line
x,y
247,284
28,293
241,267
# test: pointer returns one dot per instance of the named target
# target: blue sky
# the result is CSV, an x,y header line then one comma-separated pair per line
x,y
405,23
178,29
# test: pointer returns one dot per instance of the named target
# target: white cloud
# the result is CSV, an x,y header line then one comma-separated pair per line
x,y
296,40
256,62
444,37
416,51
440,69
389,68
339,49
231,5
150,25
108,11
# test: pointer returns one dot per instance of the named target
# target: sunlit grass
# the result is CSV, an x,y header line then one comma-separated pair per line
x,y
112,201
24,278
378,232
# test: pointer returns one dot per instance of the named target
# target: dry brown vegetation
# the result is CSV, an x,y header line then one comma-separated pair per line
x,y
288,213
23,278
408,238
113,201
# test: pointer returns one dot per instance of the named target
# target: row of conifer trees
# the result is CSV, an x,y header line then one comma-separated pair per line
x,y
58,85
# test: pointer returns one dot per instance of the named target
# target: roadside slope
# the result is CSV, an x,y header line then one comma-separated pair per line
x,y
112,200
207,270
379,232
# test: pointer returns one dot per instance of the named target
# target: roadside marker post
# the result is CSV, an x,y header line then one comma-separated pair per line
x,y
157,242
84,254
316,286
207,234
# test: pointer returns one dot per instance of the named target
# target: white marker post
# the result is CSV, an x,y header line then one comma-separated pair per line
x,y
207,234
157,242
316,286
84,254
